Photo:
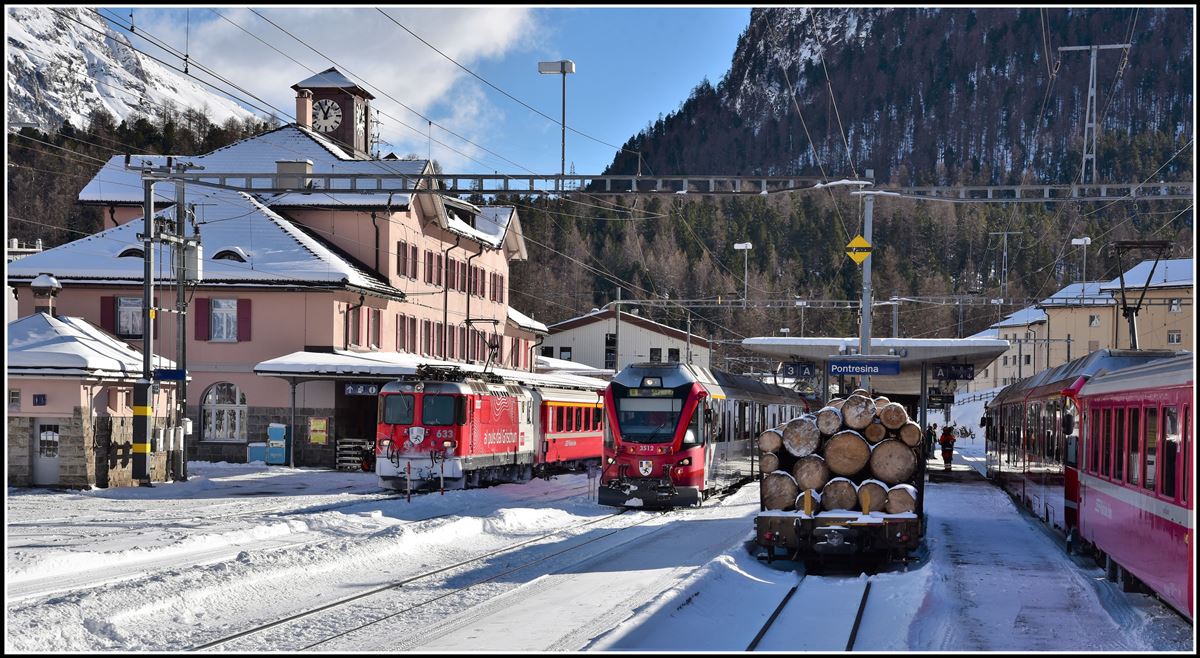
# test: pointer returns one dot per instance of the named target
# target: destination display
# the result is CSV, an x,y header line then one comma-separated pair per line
x,y
651,393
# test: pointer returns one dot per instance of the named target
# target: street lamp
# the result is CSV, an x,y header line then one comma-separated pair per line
x,y
746,247
564,67
1084,242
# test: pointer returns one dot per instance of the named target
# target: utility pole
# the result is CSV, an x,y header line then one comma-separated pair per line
x,y
142,403
1004,267
177,441
689,337
864,346
1090,127
617,338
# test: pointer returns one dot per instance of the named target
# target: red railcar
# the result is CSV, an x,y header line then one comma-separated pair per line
x,y
678,432
446,427
1137,504
1077,476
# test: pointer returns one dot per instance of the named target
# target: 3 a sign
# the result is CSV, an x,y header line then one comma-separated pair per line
x,y
796,369
952,371
362,389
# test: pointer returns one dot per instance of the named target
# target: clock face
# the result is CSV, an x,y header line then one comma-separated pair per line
x,y
326,115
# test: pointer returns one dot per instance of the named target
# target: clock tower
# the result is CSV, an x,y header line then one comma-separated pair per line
x,y
338,108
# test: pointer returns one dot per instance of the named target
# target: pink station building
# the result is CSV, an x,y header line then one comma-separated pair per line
x,y
314,277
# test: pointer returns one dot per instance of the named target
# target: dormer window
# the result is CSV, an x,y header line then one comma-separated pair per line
x,y
232,253
132,252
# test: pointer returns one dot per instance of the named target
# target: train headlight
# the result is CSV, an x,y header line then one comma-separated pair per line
x,y
611,460
385,443
448,444
685,461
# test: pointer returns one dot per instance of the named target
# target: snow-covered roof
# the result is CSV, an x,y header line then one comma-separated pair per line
x,y
525,322
342,364
1023,318
258,154
277,252
1079,294
1174,273
42,345
330,78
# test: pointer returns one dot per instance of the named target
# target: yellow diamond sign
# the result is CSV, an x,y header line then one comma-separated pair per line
x,y
858,249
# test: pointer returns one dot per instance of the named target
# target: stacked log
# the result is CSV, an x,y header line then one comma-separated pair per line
x,y
855,454
779,491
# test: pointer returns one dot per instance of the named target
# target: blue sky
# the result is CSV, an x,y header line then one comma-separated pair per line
x,y
632,63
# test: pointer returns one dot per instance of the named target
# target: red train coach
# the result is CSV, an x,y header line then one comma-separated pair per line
x,y
678,432
446,427
1137,503
1088,479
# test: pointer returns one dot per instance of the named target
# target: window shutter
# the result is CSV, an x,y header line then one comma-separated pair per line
x,y
108,312
243,320
202,323
361,322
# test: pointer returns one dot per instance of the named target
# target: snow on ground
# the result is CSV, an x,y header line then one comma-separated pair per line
x,y
177,565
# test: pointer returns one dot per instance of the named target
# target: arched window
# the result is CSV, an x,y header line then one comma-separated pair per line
x,y
223,413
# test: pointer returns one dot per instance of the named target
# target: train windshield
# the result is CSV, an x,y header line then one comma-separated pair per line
x,y
398,409
648,420
437,410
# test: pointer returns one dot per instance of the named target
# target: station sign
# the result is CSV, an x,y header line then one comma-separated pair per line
x,y
952,371
170,374
797,369
864,366
362,389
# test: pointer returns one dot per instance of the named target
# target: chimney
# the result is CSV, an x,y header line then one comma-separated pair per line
x,y
304,108
293,173
44,287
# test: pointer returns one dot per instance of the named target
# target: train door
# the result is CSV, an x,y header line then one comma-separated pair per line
x,y
530,438
1072,431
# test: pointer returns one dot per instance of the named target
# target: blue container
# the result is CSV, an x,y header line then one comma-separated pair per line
x,y
276,443
256,452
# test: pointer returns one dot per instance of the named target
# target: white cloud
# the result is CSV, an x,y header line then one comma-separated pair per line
x,y
370,49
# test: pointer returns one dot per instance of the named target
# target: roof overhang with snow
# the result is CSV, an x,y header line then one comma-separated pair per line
x,y
911,353
377,366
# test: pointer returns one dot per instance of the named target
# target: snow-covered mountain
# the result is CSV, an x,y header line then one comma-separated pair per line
x,y
61,70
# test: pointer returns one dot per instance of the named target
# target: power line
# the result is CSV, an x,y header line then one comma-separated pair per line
x,y
519,101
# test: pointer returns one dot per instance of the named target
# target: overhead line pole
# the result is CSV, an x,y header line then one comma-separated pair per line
x,y
1090,127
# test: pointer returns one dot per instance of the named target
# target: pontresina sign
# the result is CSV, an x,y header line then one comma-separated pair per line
x,y
864,367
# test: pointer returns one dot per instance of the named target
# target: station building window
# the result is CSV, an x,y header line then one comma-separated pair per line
x,y
223,413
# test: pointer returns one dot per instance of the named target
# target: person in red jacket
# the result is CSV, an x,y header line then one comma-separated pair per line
x,y
946,440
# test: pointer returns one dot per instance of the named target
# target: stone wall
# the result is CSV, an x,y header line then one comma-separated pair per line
x,y
98,452
20,447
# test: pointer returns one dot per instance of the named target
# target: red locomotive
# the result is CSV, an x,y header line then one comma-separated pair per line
x,y
1118,481
677,432
449,428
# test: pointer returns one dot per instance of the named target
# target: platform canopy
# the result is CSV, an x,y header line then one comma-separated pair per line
x,y
910,353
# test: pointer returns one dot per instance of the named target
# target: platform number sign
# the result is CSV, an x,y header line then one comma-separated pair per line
x,y
362,389
952,371
795,369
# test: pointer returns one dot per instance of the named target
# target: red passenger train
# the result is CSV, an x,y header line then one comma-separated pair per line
x,y
446,427
677,432
1118,481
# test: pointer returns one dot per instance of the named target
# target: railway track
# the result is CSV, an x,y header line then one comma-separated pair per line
x,y
397,584
841,601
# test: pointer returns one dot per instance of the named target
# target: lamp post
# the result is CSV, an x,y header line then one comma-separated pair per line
x,y
564,67
1084,242
746,247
